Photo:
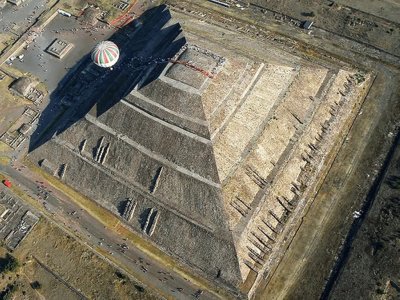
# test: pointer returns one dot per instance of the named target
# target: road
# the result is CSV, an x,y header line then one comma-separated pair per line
x,y
65,213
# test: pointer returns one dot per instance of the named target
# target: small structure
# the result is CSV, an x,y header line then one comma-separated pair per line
x,y
25,87
3,3
129,209
22,86
90,15
48,166
307,24
35,96
3,212
122,5
59,48
25,129
14,136
16,220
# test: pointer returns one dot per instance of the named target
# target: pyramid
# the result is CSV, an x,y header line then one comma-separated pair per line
x,y
207,154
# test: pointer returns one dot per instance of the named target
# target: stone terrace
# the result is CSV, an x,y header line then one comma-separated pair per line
x,y
209,168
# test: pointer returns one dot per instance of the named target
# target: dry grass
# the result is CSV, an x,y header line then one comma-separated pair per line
x,y
4,160
64,259
42,87
5,40
71,5
11,105
4,147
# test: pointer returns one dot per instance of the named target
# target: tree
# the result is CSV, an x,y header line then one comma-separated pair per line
x,y
8,293
36,285
8,264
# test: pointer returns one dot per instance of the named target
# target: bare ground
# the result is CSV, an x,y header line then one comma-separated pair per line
x,y
371,269
306,267
67,269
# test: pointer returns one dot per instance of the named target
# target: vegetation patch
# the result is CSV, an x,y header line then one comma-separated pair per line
x,y
8,264
36,285
8,292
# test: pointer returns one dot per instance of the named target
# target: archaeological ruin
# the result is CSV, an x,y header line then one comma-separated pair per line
x,y
214,160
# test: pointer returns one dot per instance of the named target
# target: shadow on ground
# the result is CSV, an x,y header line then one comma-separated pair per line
x,y
87,87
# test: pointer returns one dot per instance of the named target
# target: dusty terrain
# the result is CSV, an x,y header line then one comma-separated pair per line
x,y
12,106
43,257
309,259
372,266
307,265
340,20
363,39
271,133
386,9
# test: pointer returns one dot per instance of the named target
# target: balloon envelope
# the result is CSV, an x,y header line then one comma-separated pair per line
x,y
105,54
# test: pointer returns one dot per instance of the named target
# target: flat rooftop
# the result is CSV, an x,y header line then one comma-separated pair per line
x,y
59,48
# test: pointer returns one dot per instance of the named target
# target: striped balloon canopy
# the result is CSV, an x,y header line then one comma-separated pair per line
x,y
105,54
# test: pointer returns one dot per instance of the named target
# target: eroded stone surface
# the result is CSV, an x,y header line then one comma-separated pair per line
x,y
216,164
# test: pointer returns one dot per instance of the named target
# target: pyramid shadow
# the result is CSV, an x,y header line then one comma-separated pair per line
x,y
145,139
90,88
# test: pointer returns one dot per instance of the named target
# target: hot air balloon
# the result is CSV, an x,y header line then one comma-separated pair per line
x,y
105,54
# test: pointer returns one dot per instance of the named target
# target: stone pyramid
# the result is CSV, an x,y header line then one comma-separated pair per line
x,y
207,153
